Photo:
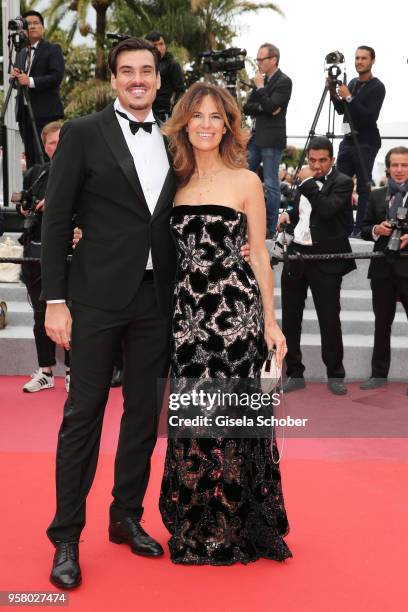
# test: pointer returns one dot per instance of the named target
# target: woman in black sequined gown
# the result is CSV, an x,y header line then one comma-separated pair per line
x,y
221,498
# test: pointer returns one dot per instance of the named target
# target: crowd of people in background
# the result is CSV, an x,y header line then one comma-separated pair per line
x,y
40,68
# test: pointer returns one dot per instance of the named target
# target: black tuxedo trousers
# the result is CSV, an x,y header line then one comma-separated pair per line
x,y
325,288
385,293
96,337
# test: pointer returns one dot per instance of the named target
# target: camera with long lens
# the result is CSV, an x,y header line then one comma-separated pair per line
x,y
333,59
227,60
117,38
18,28
399,227
19,23
27,201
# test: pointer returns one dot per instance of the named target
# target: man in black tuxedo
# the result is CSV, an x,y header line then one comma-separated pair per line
x,y
111,169
319,220
388,277
267,104
40,68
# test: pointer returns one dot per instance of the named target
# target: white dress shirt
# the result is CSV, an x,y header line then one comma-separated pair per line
x,y
33,48
302,233
150,159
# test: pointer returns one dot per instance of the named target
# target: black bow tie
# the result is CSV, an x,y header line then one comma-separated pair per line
x,y
321,179
136,125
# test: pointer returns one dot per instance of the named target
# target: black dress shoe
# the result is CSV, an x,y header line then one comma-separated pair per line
x,y
66,572
293,384
129,531
337,386
116,377
373,383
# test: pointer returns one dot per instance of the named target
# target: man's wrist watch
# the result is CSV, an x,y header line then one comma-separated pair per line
x,y
349,98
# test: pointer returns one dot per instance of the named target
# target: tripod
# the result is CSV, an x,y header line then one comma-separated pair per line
x,y
17,45
332,81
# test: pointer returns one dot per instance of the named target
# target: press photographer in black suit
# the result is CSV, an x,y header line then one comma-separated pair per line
x,y
40,68
388,277
319,221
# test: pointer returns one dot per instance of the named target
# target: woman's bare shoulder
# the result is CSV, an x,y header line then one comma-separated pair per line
x,y
246,176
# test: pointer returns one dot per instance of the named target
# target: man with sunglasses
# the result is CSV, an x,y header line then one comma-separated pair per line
x,y
267,105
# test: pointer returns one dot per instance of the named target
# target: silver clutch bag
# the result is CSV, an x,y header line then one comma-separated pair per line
x,y
271,373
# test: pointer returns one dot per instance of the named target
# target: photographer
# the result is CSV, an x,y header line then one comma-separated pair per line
x,y
388,277
364,97
40,68
319,220
267,104
32,207
171,75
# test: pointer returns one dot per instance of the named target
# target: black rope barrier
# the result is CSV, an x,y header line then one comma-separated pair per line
x,y
341,136
292,257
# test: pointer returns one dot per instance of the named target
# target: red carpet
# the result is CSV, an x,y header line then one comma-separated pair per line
x,y
346,498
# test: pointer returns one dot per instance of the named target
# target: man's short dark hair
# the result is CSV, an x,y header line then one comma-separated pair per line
x,y
273,51
34,14
369,49
321,142
132,44
394,151
155,35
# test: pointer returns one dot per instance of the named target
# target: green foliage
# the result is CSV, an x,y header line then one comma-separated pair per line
x,y
291,156
79,62
88,97
59,9
190,27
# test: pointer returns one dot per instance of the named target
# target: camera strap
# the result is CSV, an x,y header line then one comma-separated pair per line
x,y
39,177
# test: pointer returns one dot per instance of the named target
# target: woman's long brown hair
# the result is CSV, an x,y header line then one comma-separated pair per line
x,y
233,143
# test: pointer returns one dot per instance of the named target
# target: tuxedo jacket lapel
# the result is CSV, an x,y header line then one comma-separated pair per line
x,y
329,180
116,142
166,194
169,186
39,49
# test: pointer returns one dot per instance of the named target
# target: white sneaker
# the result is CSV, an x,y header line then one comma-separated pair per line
x,y
67,382
38,382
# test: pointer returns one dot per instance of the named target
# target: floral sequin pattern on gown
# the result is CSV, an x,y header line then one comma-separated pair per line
x,y
221,498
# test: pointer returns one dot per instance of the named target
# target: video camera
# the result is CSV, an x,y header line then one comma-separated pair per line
x,y
117,38
332,61
227,60
399,226
19,23
18,28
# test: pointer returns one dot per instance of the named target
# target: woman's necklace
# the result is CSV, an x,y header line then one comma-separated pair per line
x,y
205,183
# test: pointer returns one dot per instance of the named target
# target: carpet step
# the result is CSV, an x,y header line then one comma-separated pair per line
x,y
18,356
352,322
